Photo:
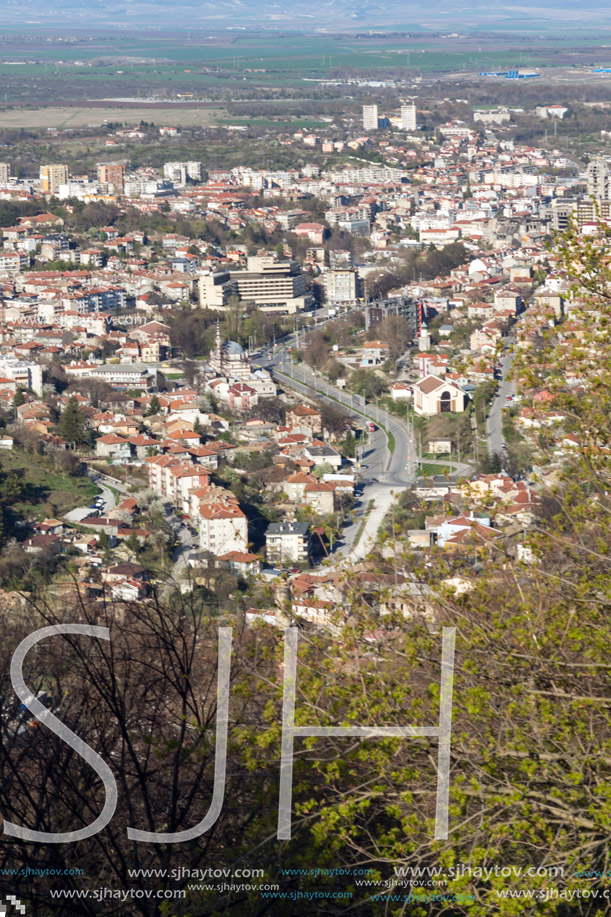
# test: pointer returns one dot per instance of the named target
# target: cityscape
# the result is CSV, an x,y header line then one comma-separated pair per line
x,y
305,425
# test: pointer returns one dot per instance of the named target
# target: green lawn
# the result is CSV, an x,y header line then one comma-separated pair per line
x,y
49,491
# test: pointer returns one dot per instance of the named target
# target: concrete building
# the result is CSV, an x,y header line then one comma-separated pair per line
x,y
125,375
223,527
380,309
269,284
26,375
5,172
112,173
288,542
52,176
408,117
598,179
341,286
182,172
496,116
370,117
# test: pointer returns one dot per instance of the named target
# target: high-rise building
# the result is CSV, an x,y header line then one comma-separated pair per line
x,y
408,117
370,117
598,179
182,172
52,177
5,172
112,173
341,286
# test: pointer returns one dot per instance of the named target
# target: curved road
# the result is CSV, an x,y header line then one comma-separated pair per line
x,y
384,474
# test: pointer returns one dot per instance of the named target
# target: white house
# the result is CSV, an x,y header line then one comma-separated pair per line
x,y
436,396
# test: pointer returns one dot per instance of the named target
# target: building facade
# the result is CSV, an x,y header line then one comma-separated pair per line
x,y
370,117
52,176
408,117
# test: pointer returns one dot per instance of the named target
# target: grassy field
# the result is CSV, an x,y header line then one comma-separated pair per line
x,y
48,491
67,116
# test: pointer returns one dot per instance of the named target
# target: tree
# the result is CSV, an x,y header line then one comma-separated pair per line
x,y
367,383
154,407
348,446
324,468
317,350
72,424
18,399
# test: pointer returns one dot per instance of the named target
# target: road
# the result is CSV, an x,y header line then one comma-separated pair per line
x,y
494,421
388,467
384,474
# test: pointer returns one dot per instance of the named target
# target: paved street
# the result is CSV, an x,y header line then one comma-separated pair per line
x,y
494,421
383,475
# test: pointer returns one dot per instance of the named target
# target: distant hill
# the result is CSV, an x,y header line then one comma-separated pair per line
x,y
317,13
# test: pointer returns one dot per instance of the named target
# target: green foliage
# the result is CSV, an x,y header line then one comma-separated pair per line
x,y
154,407
72,425
18,399
368,383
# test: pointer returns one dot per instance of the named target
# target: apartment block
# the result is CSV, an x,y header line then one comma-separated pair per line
x,y
26,375
182,172
408,117
112,173
52,176
370,117
288,542
341,286
223,527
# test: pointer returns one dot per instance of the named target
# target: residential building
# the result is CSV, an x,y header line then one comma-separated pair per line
x,y
5,172
182,172
370,117
374,353
52,176
341,286
598,174
380,309
288,542
26,375
113,447
408,117
223,527
112,173
305,418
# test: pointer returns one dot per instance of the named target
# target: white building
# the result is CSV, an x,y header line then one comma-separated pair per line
x,y
182,172
408,117
340,286
496,116
288,542
26,375
223,527
370,117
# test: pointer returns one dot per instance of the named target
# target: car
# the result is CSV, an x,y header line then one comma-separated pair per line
x,y
509,398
